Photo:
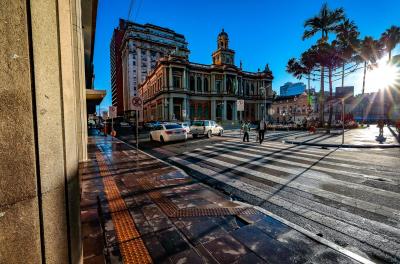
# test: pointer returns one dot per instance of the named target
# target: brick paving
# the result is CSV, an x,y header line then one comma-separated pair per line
x,y
137,209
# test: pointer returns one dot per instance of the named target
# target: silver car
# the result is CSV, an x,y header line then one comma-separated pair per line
x,y
206,127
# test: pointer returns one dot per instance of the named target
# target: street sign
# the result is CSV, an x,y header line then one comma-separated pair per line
x,y
240,105
105,115
136,103
112,110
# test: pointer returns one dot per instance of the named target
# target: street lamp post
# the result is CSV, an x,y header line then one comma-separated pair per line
x,y
264,91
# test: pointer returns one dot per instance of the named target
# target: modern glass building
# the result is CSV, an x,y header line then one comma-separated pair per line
x,y
290,88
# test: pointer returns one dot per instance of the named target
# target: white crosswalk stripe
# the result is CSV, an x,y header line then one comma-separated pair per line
x,y
300,179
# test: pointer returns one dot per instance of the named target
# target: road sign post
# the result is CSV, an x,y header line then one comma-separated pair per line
x,y
137,105
240,109
112,110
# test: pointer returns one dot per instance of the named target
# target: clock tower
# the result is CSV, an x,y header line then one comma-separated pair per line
x,y
223,55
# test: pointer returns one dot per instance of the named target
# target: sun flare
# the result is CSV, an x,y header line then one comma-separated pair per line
x,y
382,76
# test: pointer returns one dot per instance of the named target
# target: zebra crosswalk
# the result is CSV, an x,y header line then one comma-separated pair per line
x,y
269,135
343,196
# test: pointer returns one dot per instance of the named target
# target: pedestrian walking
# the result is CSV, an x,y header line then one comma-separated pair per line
x,y
246,129
381,124
261,130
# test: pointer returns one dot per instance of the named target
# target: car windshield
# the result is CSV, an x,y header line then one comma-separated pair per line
x,y
198,123
173,126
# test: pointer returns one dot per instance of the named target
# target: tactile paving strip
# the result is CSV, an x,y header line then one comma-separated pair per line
x,y
131,245
171,210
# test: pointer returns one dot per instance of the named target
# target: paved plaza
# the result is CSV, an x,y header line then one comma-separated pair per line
x,y
138,208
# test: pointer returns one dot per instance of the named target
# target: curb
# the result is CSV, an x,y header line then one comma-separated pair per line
x,y
397,136
339,145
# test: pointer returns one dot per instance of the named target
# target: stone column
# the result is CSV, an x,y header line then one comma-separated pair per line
x,y
170,86
171,107
187,108
184,106
184,79
202,83
213,109
212,83
43,87
224,111
224,85
195,83
234,114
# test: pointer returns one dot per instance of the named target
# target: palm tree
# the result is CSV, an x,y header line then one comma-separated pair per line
x,y
346,42
390,38
369,52
325,22
301,68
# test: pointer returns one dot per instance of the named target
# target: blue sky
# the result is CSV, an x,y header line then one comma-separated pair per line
x,y
259,31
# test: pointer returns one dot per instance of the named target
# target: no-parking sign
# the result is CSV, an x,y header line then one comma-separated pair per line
x,y
112,111
136,103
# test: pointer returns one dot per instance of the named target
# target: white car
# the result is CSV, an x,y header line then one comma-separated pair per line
x,y
168,132
186,126
206,127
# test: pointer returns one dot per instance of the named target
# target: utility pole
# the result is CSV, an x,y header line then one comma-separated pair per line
x,y
342,121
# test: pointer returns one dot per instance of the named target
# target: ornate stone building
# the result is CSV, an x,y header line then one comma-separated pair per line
x,y
181,90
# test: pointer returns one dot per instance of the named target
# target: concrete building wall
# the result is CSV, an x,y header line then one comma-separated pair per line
x,y
42,130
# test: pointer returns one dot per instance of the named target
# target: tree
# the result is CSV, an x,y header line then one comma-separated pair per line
x,y
302,68
325,22
347,42
390,38
369,52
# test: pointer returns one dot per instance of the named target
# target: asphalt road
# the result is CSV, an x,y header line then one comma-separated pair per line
x,y
348,196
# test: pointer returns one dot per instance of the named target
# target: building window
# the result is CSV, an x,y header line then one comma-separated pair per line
x,y
206,85
191,83
198,84
218,86
176,81
247,89
229,85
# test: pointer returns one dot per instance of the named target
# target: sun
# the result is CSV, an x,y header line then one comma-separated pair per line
x,y
383,76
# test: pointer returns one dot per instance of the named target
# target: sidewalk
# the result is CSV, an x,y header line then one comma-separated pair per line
x,y
353,138
138,209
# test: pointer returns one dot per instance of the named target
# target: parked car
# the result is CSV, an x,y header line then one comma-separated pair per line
x,y
168,132
186,126
206,128
150,125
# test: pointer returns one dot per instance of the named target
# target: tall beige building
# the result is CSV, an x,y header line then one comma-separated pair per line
x,y
142,46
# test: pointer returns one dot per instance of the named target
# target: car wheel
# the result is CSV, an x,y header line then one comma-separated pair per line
x,y
209,134
194,135
221,132
151,138
162,140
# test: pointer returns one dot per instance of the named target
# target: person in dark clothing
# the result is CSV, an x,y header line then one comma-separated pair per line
x,y
381,124
262,126
246,129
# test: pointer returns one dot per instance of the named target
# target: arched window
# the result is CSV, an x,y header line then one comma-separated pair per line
x,y
191,84
206,84
198,84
